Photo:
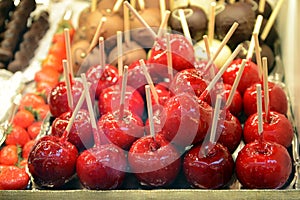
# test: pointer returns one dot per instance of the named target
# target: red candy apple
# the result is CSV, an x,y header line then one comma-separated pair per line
x,y
81,134
263,165
109,100
249,77
102,167
101,78
182,55
52,161
121,131
210,171
154,161
277,129
278,100
58,100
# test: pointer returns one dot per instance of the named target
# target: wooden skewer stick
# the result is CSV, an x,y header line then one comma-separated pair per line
x,y
259,109
169,57
184,25
258,55
261,6
117,6
150,110
211,23
123,91
102,52
163,25
266,89
256,29
97,34
68,50
68,84
120,52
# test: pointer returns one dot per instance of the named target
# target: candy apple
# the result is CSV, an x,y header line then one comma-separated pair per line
x,y
109,100
102,167
81,134
154,161
263,165
52,161
276,129
121,131
210,171
249,76
102,77
277,99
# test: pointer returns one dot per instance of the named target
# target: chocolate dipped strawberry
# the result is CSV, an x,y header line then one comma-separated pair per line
x,y
277,99
121,131
211,171
154,161
249,76
276,129
263,165
81,132
102,77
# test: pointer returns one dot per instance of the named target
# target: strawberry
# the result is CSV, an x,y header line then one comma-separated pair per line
x,y
31,100
9,155
23,118
27,148
34,129
48,73
41,112
45,87
16,135
23,163
13,178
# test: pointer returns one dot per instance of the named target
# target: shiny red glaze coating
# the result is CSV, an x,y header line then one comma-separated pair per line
x,y
278,99
155,162
278,129
101,78
182,119
231,133
81,134
163,92
58,100
237,102
109,100
189,80
263,165
182,55
52,162
101,167
249,76
211,171
121,131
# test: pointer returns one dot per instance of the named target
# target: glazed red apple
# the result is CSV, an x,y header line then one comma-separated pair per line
x,y
52,161
263,165
102,167
182,55
277,129
121,131
163,92
154,161
109,100
101,78
189,80
211,171
231,133
136,77
277,99
81,134
182,119
249,77
58,100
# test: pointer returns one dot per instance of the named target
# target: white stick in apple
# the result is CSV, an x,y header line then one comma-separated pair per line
x,y
162,6
235,83
68,50
255,30
163,24
123,91
102,52
259,109
68,84
207,46
97,34
261,6
266,89
149,81
169,58
117,6
185,26
120,52
126,25
91,111
257,54
150,110
271,20
211,22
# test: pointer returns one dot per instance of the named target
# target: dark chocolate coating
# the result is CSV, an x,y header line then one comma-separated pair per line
x,y
241,13
196,20
272,36
6,6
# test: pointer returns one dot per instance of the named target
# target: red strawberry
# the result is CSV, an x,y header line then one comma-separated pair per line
x,y
27,148
13,178
9,155
34,129
31,100
23,118
42,111
17,135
